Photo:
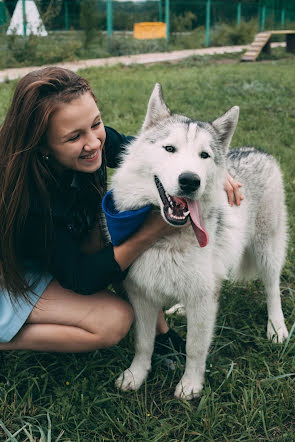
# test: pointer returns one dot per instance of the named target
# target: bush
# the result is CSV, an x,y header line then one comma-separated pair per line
x,y
120,45
183,23
191,40
34,50
233,34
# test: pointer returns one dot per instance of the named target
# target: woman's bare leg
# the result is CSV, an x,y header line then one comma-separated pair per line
x,y
162,326
65,321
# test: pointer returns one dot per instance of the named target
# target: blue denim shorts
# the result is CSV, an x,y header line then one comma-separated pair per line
x,y
14,313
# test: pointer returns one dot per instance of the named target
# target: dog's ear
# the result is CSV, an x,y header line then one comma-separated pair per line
x,y
157,109
226,125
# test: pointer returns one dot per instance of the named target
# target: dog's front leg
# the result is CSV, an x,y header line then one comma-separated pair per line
x,y
146,314
200,325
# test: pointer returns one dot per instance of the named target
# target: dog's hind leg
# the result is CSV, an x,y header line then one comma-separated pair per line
x,y
276,328
269,264
201,316
146,314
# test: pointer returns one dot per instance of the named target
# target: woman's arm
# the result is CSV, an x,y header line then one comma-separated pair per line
x,y
151,231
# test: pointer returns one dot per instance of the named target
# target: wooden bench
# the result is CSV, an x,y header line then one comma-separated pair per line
x,y
262,43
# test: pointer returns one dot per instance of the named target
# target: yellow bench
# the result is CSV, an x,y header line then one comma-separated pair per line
x,y
262,43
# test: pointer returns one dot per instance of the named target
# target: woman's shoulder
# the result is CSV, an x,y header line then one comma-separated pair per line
x,y
115,144
115,138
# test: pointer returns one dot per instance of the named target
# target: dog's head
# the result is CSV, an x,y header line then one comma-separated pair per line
x,y
174,162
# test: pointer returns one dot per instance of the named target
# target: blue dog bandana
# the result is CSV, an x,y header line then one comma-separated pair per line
x,y
121,225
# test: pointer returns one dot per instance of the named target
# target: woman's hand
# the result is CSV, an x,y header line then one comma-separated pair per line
x,y
158,227
232,188
150,232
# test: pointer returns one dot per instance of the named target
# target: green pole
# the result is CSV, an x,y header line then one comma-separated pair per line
x,y
24,18
283,17
167,18
160,11
66,15
262,24
208,8
239,13
109,18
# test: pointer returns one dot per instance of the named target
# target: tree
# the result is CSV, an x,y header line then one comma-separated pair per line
x,y
88,20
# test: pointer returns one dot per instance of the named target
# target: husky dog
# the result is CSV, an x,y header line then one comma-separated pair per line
x,y
179,165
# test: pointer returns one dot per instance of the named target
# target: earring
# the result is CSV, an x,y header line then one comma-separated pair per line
x,y
45,157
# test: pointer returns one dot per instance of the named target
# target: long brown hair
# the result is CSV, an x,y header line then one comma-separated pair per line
x,y
22,142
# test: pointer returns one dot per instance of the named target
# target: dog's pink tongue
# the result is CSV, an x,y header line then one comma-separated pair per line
x,y
197,222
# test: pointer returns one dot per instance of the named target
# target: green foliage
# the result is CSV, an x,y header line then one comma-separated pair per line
x,y
4,17
88,20
122,45
190,40
125,14
49,12
35,50
233,34
183,22
249,387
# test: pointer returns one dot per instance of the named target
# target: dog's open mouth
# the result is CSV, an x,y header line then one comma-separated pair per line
x,y
177,210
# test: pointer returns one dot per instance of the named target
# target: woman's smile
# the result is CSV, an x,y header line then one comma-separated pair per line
x,y
90,156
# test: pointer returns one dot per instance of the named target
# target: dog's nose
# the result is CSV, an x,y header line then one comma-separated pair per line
x,y
189,182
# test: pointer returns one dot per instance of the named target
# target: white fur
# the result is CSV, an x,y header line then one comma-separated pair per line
x,y
242,240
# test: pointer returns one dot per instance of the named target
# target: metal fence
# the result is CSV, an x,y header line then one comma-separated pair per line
x,y
179,15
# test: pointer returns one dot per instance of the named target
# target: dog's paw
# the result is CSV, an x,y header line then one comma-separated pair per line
x,y
277,331
188,389
178,309
129,380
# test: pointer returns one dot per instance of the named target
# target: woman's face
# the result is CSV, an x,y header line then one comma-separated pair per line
x,y
76,135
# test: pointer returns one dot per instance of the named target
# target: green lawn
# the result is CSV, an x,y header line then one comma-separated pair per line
x,y
250,384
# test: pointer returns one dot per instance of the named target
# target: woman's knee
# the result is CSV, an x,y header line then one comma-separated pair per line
x,y
117,321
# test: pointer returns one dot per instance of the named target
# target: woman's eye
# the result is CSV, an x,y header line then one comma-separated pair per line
x,y
96,124
74,138
170,149
205,155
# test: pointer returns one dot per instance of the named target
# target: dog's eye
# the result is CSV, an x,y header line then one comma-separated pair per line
x,y
204,155
170,149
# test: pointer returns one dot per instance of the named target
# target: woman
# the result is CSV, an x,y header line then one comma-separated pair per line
x,y
54,150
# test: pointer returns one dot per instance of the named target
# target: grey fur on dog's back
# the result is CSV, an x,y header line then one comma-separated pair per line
x,y
184,267
264,198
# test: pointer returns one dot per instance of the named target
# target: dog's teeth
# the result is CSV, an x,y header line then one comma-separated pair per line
x,y
185,213
170,212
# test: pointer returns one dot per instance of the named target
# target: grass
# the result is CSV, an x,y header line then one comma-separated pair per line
x,y
250,382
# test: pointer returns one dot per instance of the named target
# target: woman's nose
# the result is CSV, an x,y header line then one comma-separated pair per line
x,y
92,142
